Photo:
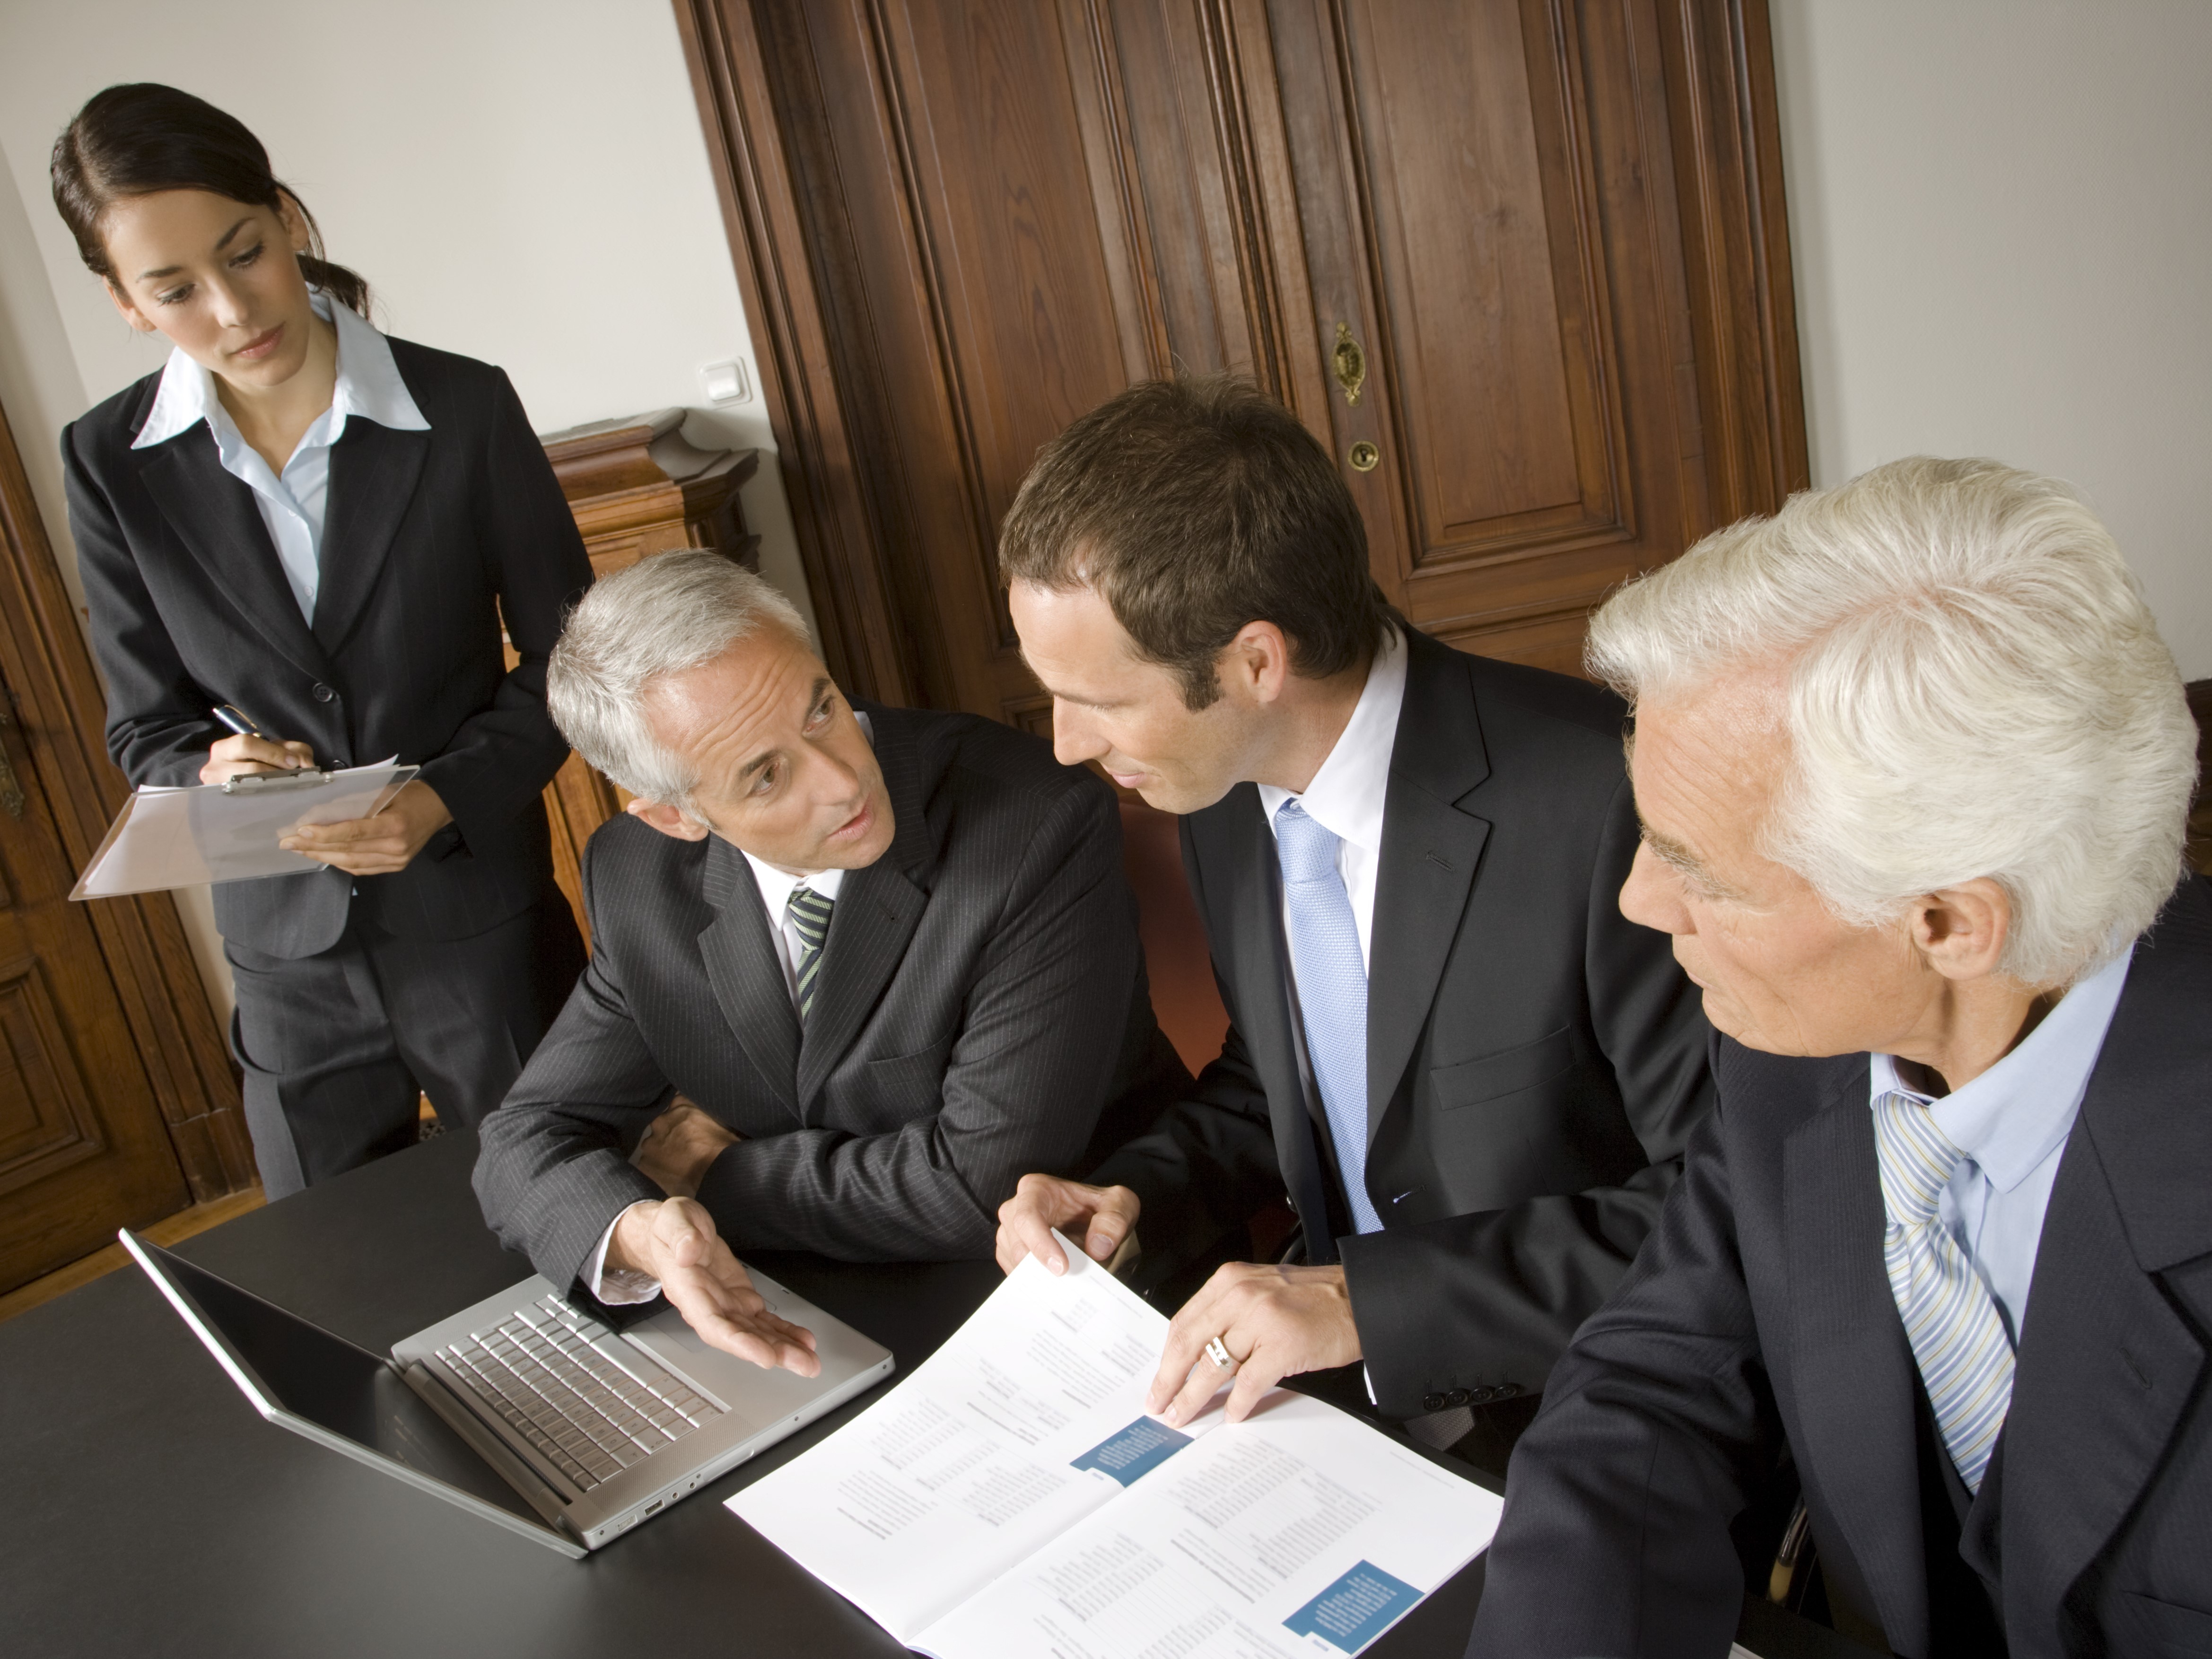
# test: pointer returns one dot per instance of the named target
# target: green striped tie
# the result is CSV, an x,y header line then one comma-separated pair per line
x,y
810,920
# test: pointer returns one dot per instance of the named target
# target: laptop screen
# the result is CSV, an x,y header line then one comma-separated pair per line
x,y
286,1362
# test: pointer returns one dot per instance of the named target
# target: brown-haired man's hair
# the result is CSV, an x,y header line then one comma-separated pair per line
x,y
1193,506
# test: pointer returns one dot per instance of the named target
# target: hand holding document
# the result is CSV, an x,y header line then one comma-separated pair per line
x,y
165,838
1011,1498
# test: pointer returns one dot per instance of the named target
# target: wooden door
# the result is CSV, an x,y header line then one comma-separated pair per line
x,y
1521,265
117,1104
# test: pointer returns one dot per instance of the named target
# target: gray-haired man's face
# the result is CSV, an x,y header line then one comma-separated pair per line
x,y
785,771
1779,970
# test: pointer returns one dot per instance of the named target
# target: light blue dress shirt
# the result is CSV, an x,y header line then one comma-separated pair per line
x,y
2013,1122
293,503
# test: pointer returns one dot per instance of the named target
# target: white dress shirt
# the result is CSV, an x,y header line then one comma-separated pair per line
x,y
293,503
625,1286
2013,1122
1345,796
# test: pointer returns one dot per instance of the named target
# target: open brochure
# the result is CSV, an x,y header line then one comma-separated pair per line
x,y
184,837
1012,1499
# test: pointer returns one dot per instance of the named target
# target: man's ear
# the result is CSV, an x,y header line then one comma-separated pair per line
x,y
1962,930
669,820
1257,661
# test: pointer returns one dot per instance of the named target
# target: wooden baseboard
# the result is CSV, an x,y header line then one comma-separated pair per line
x,y
170,1230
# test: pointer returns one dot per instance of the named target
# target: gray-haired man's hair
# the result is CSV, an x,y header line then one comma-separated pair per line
x,y
664,615
1975,689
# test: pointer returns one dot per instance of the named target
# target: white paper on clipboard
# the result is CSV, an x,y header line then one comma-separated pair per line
x,y
165,838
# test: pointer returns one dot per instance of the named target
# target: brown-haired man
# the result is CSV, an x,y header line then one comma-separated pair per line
x,y
1473,1078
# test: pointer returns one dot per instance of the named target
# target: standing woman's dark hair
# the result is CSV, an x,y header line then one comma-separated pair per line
x,y
141,138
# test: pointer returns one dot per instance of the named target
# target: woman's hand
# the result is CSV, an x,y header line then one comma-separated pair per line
x,y
236,757
375,846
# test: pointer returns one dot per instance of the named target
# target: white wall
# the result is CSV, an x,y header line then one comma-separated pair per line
x,y
524,181
2001,214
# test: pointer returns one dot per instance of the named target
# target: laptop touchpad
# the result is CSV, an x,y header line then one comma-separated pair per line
x,y
758,1396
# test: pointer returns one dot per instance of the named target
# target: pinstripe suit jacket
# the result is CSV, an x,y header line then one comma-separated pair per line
x,y
981,1000
434,538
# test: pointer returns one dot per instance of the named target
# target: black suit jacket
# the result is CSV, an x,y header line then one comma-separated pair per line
x,y
430,539
1535,1063
1761,1310
981,999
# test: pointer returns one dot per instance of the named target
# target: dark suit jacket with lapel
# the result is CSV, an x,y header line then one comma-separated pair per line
x,y
1761,1310
429,539
981,998
1535,1063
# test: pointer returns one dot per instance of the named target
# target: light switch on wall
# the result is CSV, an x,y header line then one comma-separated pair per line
x,y
726,383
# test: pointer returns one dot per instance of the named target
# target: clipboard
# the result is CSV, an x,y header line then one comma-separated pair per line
x,y
191,837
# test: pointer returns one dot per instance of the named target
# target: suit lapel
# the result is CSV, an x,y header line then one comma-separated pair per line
x,y
1852,1370
2106,1364
213,515
373,472
1247,886
1431,847
878,910
742,968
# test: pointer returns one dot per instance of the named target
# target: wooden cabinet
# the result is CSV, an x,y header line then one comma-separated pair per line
x,y
637,488
1521,265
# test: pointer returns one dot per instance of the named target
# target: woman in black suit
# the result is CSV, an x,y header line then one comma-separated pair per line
x,y
325,528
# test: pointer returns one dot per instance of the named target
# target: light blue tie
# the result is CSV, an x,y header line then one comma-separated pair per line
x,y
1332,992
1965,1356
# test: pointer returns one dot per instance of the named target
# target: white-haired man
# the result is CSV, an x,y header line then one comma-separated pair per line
x,y
1913,769
887,957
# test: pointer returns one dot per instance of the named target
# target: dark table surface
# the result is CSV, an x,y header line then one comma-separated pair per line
x,y
149,1509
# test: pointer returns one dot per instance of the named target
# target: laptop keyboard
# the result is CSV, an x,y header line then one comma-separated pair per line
x,y
587,1416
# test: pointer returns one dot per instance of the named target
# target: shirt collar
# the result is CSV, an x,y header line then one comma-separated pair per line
x,y
776,886
2013,1115
368,385
1346,795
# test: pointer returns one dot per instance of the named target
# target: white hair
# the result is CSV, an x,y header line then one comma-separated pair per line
x,y
665,615
1975,688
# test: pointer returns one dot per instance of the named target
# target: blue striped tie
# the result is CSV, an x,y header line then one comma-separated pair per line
x,y
1332,992
810,920
1959,1343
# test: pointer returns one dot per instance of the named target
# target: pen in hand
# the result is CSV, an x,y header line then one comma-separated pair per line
x,y
250,748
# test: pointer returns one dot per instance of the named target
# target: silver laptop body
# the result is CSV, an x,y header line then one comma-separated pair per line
x,y
593,1431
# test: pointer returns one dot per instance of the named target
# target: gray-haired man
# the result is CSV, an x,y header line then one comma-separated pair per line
x,y
1913,767
888,955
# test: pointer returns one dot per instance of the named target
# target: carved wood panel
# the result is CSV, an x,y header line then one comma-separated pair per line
x,y
118,1104
46,1120
1551,229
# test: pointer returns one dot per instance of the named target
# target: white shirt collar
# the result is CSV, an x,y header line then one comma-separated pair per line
x,y
2011,1117
368,385
776,886
1347,794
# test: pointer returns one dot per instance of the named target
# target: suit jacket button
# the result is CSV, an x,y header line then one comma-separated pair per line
x,y
1457,1397
1432,1402
323,693
1507,1390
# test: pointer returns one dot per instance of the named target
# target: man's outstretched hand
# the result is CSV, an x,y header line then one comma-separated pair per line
x,y
674,1240
1101,1217
1275,1322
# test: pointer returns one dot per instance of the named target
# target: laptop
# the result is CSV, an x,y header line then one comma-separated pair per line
x,y
524,1409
